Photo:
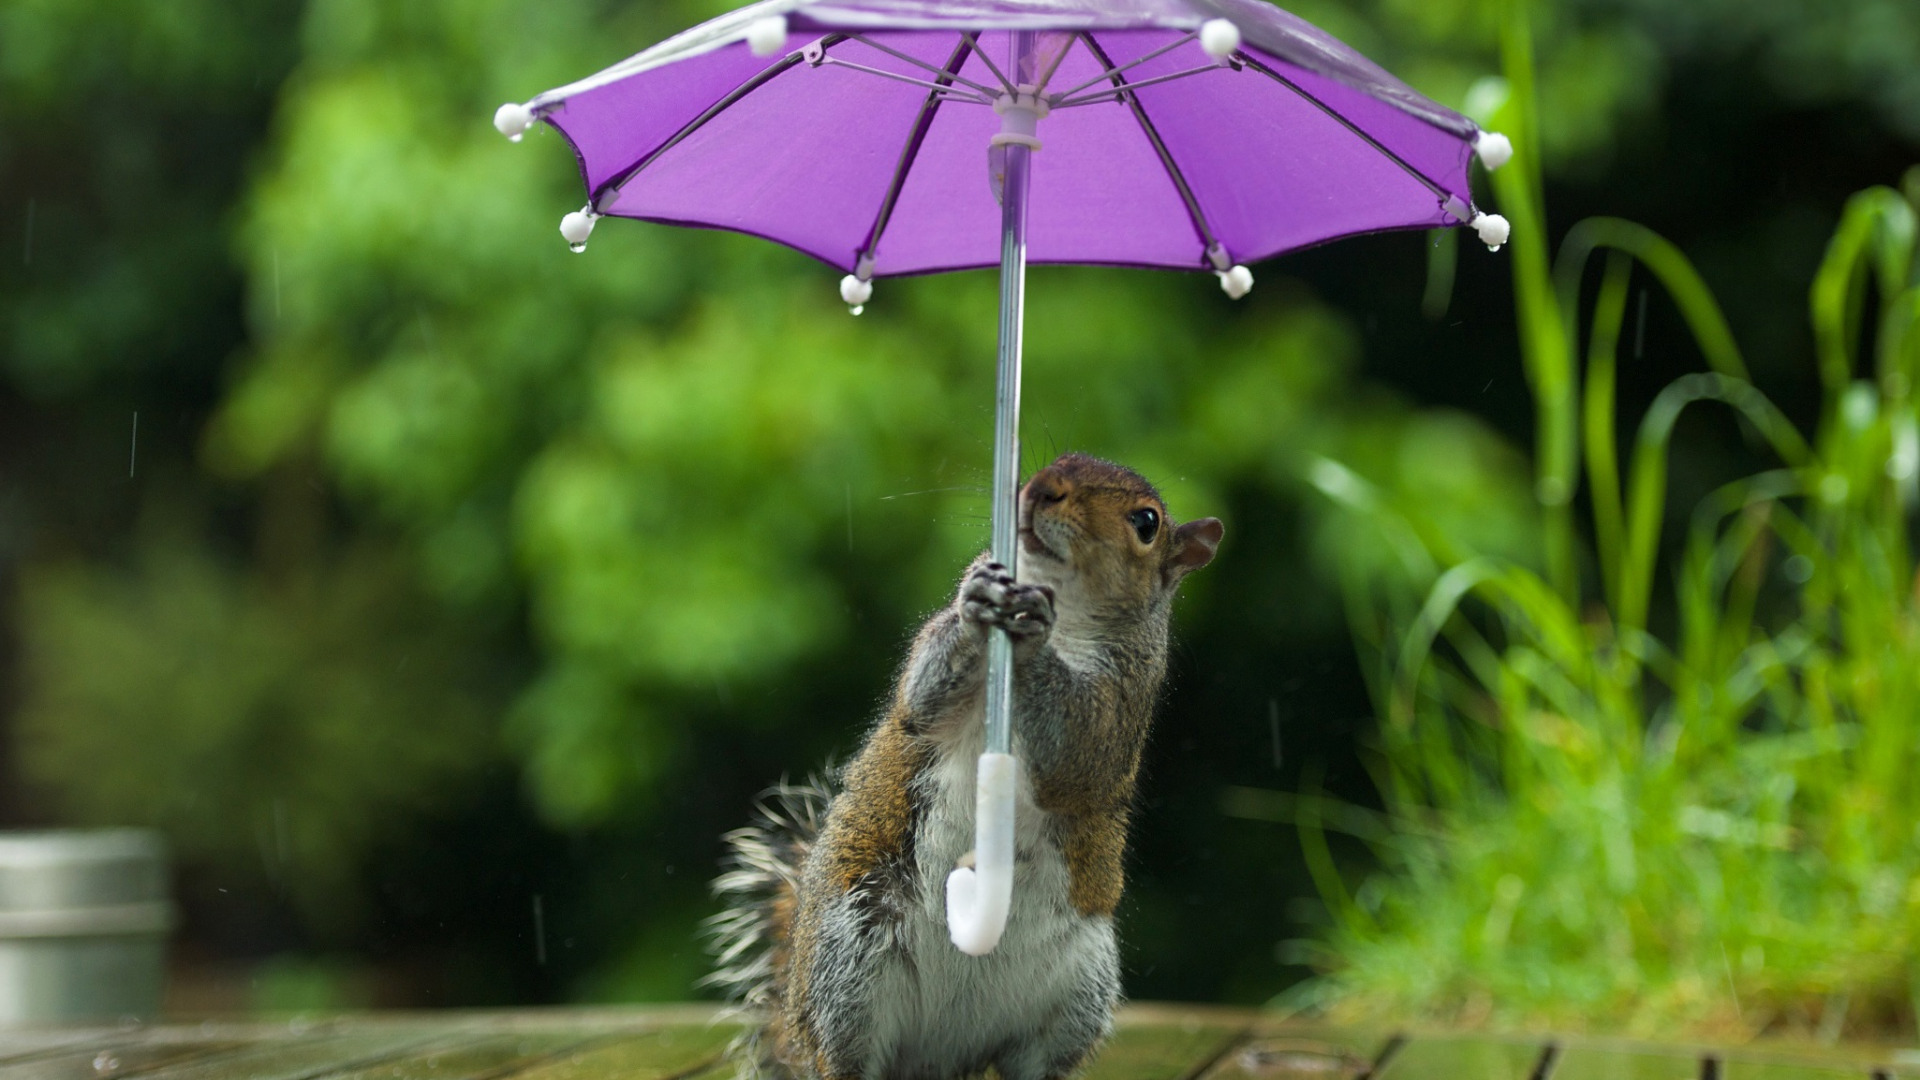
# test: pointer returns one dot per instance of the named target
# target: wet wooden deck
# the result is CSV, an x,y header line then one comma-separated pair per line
x,y
683,1043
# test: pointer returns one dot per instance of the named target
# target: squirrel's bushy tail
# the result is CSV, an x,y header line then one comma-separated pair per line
x,y
759,887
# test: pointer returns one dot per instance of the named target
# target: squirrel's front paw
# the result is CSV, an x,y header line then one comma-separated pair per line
x,y
990,597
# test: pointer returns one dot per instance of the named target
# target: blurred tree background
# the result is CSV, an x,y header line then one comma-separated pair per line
x,y
428,584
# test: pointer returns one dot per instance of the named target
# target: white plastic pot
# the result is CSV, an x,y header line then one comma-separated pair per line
x,y
84,918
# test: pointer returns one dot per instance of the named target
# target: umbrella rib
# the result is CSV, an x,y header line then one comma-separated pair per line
x,y
1129,65
947,90
1058,59
919,63
1104,96
973,38
911,150
1263,69
614,184
1207,238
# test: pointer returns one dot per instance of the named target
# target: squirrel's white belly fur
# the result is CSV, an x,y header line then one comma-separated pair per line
x,y
1035,994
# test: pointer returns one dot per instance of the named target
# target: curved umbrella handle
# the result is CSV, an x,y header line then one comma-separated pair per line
x,y
978,897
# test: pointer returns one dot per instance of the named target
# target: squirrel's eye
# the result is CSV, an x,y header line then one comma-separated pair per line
x,y
1145,522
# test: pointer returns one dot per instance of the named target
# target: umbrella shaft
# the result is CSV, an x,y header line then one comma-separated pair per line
x,y
1006,441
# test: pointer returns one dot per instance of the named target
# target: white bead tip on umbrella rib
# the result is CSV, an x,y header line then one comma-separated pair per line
x,y
1235,281
857,288
512,120
1492,229
767,36
577,226
1219,38
856,293
1493,149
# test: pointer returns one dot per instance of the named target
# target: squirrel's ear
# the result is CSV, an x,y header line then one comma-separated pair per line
x,y
1193,547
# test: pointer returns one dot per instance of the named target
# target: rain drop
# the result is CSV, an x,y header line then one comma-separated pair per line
x,y
857,308
539,931
104,1062
576,248
1495,247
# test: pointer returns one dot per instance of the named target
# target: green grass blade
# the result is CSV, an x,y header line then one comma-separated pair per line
x,y
1876,236
1544,346
1647,495
1669,265
1603,465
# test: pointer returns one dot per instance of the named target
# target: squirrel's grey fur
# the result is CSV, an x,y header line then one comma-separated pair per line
x,y
835,935
761,866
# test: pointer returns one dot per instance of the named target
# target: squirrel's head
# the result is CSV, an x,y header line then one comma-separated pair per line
x,y
1100,537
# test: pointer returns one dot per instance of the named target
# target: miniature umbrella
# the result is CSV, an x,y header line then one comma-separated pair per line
x,y
894,137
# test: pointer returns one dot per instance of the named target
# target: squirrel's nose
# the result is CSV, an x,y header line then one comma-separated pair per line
x,y
1047,488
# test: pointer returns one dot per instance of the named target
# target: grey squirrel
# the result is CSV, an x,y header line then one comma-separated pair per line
x,y
835,933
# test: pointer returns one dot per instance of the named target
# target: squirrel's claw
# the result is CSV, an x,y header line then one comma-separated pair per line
x,y
991,597
1029,611
983,596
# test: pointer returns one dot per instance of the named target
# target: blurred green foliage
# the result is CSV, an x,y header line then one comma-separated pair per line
x,y
116,122
435,500
279,724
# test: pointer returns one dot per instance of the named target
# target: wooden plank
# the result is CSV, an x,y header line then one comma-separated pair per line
x,y
686,1042
1450,1057
17,1046
1738,1066
1163,1051
560,1020
466,1058
655,1055
1626,1061
106,1060
1857,1061
1297,1052
292,1057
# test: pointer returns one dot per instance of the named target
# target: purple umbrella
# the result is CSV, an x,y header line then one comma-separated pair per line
x,y
1189,134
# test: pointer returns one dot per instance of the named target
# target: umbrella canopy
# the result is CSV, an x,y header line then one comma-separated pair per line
x,y
857,131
